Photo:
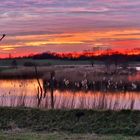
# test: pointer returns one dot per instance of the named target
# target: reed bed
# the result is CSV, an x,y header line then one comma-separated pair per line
x,y
85,84
73,73
93,79
77,100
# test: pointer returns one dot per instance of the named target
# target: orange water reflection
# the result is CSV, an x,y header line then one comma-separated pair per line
x,y
135,77
23,93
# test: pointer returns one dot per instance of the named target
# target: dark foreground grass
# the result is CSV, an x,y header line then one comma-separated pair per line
x,y
124,122
62,136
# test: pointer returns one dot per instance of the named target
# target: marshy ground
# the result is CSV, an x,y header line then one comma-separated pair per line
x,y
42,124
75,81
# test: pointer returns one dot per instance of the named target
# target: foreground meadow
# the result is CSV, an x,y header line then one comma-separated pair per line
x,y
125,122
38,124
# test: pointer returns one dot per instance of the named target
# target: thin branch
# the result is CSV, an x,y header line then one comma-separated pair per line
x,y
2,37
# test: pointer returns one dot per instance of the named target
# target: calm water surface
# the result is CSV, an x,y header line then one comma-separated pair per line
x,y
23,93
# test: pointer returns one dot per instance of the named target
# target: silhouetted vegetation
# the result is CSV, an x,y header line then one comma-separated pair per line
x,y
2,37
115,58
29,64
14,63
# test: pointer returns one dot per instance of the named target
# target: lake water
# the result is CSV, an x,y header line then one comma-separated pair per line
x,y
24,93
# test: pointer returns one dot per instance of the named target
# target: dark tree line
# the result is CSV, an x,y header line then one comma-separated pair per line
x,y
114,58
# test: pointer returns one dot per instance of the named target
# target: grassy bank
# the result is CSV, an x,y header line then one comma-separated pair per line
x,y
73,121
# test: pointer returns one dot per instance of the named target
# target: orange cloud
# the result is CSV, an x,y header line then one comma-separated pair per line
x,y
76,41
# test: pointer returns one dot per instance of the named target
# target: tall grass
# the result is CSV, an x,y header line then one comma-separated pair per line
x,y
69,100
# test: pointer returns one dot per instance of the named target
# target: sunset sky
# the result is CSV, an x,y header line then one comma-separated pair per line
x,y
35,26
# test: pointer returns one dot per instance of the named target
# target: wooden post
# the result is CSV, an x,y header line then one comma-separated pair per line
x,y
52,88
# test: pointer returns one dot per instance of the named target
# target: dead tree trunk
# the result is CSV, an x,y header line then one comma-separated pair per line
x,y
52,88
39,89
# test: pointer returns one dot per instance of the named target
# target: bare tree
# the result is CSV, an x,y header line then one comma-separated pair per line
x,y
39,89
52,81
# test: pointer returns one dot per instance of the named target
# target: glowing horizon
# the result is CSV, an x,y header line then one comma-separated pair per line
x,y
36,26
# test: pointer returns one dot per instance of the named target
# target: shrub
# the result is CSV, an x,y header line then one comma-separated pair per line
x,y
30,64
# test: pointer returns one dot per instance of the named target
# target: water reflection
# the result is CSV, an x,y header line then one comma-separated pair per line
x,y
135,77
23,93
